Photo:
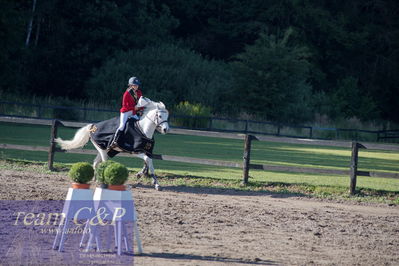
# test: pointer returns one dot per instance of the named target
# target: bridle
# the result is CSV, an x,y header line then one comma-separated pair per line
x,y
156,120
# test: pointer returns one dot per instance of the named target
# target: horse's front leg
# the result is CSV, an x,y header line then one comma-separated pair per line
x,y
152,173
148,162
143,172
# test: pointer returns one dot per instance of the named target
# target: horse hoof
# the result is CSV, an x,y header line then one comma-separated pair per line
x,y
139,175
158,187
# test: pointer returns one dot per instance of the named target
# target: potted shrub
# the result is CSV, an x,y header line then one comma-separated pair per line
x,y
81,173
115,176
100,173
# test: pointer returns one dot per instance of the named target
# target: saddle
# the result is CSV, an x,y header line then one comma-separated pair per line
x,y
132,140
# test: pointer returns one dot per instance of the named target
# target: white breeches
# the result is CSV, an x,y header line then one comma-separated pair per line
x,y
123,119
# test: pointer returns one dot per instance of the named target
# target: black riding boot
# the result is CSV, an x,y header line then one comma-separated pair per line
x,y
114,142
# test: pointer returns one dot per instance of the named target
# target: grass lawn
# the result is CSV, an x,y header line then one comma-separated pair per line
x,y
232,150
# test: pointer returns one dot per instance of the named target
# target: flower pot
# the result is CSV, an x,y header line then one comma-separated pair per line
x,y
117,187
80,186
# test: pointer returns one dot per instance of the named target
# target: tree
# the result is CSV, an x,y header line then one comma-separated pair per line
x,y
169,72
271,78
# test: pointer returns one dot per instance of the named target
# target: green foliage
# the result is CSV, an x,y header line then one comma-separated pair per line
x,y
116,174
111,173
81,172
100,177
195,110
169,73
272,79
186,108
348,101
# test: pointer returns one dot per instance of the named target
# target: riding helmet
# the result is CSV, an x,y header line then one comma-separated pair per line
x,y
134,81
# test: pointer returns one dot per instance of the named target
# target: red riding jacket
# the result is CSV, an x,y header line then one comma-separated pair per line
x,y
130,100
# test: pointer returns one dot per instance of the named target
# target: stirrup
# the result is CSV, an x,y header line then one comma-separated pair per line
x,y
112,145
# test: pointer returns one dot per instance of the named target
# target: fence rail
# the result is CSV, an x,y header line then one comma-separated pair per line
x,y
202,123
353,171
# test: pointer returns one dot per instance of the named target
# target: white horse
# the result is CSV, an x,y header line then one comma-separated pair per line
x,y
155,117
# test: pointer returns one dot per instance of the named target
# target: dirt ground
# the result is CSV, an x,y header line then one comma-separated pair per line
x,y
194,226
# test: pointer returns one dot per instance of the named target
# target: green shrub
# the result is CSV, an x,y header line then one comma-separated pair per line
x,y
100,170
197,113
115,174
186,108
81,172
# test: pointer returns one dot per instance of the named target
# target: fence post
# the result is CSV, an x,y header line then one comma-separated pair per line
x,y
311,133
39,111
54,129
353,167
246,158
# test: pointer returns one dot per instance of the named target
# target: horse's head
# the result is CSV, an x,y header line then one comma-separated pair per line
x,y
162,116
156,113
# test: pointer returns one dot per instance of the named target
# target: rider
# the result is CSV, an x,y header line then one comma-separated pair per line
x,y
129,108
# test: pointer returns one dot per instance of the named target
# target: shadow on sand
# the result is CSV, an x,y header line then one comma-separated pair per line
x,y
176,256
221,191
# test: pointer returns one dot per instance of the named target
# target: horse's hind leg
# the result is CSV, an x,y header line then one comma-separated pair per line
x,y
101,156
97,161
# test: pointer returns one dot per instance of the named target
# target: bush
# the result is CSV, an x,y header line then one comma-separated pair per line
x,y
115,174
81,172
100,170
197,111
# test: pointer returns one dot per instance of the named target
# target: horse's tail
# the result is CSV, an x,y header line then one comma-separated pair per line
x,y
81,137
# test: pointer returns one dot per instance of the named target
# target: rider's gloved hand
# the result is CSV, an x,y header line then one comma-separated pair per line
x,y
140,112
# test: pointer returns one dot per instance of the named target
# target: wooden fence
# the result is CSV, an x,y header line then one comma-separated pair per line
x,y
75,113
247,139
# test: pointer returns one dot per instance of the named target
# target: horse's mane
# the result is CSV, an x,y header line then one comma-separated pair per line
x,y
151,105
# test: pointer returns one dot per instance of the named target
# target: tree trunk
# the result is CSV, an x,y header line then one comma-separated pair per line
x,y
39,22
28,34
